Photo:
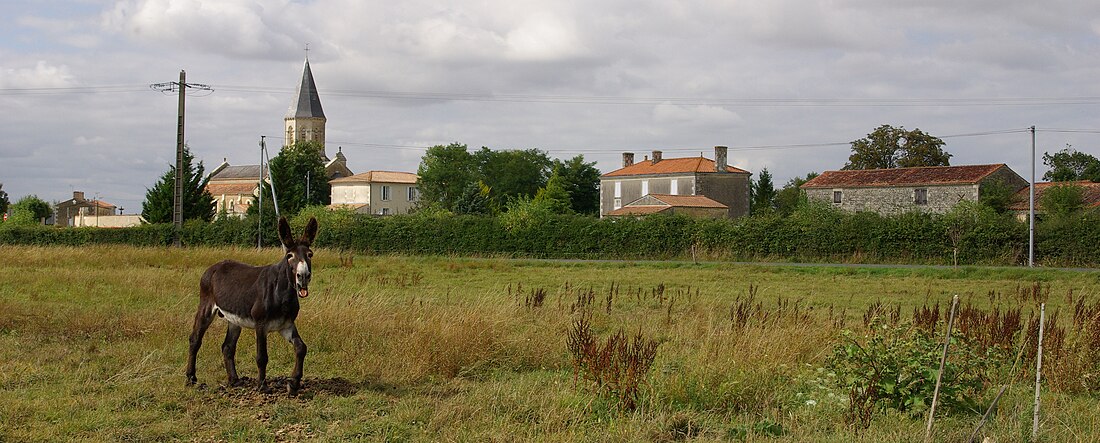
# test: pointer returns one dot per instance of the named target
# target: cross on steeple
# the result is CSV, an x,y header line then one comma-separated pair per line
x,y
307,50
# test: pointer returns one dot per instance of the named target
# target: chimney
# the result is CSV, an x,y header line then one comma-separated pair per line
x,y
720,158
78,195
628,159
656,156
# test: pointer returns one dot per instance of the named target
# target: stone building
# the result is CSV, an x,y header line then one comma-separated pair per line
x,y
68,212
235,187
376,192
1021,202
713,179
934,189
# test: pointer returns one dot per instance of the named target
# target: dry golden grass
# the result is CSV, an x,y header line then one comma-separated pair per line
x,y
92,346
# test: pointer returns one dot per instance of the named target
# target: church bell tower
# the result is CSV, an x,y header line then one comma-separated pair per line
x,y
305,120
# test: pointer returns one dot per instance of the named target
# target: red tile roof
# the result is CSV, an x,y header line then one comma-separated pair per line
x,y
929,175
638,210
1091,196
688,201
671,166
217,189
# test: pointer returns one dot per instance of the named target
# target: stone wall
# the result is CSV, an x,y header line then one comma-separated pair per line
x,y
731,190
896,200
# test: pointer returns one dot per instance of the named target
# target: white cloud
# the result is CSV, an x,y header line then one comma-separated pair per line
x,y
42,75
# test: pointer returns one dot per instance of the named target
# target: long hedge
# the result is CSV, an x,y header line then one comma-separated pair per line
x,y
812,233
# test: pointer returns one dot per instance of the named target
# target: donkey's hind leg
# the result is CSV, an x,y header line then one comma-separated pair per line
x,y
203,317
229,353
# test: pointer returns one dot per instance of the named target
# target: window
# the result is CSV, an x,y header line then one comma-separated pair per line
x,y
920,196
672,187
645,187
384,211
618,203
838,197
618,189
385,193
413,193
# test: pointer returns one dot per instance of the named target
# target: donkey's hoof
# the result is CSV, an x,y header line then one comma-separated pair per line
x,y
292,388
263,388
191,380
234,383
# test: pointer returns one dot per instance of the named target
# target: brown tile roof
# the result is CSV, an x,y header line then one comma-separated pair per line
x,y
217,189
638,210
929,175
671,166
688,201
379,177
1091,196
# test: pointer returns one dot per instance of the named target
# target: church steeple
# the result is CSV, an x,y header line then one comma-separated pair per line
x,y
305,120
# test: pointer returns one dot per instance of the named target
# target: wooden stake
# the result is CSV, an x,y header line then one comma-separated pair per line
x,y
1038,373
939,376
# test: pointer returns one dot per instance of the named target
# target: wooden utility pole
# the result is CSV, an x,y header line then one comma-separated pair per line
x,y
177,199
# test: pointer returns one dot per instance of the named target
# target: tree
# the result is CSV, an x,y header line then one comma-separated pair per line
x,y
446,173
554,197
512,173
289,171
1062,200
1071,165
4,202
474,199
762,193
792,196
997,194
197,201
582,181
890,147
28,211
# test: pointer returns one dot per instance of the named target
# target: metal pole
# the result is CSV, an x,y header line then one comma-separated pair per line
x,y
939,376
1031,207
307,188
260,200
274,198
177,201
1038,373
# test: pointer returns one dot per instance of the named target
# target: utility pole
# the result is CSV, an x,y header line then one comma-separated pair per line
x,y
1031,207
177,200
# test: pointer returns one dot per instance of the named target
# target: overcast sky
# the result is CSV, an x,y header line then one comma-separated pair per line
x,y
783,83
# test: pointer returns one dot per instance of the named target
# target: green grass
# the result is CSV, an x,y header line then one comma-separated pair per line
x,y
93,343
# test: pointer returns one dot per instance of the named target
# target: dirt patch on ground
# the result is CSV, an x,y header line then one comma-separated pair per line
x,y
246,393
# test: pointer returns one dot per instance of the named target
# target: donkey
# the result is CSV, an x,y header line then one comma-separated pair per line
x,y
263,298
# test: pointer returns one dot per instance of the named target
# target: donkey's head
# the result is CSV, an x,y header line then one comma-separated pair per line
x,y
299,256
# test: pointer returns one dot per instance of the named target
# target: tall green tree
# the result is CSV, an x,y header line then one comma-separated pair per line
x,y
890,147
4,202
762,193
1062,200
791,195
581,181
28,211
554,197
512,173
1071,165
197,201
289,171
446,173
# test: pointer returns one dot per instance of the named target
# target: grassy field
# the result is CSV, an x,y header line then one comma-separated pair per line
x,y
93,344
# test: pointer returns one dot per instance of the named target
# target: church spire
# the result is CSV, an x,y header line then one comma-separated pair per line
x,y
307,103
305,120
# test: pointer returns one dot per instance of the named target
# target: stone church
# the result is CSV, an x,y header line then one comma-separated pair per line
x,y
235,187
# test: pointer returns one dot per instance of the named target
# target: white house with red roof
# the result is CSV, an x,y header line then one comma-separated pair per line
x,y
376,192
689,185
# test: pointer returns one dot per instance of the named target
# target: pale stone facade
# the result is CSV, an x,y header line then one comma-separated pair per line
x,y
376,192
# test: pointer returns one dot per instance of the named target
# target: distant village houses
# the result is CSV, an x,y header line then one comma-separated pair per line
x,y
934,189
696,186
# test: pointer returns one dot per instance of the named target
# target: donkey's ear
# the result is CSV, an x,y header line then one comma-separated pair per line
x,y
285,235
310,232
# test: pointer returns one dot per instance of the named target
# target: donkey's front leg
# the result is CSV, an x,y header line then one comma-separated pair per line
x,y
261,357
291,335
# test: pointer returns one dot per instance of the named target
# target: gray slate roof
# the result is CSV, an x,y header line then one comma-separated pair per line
x,y
238,172
306,102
